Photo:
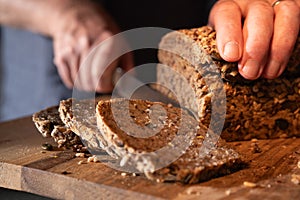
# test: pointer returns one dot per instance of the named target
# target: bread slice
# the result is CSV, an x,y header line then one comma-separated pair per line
x,y
164,142
49,124
254,109
80,117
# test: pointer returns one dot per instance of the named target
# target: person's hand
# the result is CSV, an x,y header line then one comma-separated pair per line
x,y
79,27
260,37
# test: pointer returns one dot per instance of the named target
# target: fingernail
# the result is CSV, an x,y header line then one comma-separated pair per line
x,y
251,69
272,70
231,50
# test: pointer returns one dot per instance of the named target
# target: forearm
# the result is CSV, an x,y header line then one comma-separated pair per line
x,y
34,15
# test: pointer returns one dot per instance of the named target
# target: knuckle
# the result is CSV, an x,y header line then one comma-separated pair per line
x,y
83,41
256,55
224,5
288,6
296,10
256,50
263,6
58,61
276,55
281,52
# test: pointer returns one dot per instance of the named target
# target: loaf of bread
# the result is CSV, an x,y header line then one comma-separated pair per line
x,y
254,109
163,141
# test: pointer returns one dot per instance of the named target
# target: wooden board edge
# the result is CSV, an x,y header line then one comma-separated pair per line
x,y
59,186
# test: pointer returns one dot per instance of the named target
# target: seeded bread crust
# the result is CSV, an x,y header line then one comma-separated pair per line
x,y
49,124
80,117
255,109
144,153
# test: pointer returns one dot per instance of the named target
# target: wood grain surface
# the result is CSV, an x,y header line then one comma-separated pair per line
x,y
25,166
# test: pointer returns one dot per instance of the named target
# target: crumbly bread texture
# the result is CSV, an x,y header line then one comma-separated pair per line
x,y
163,141
254,109
80,117
49,124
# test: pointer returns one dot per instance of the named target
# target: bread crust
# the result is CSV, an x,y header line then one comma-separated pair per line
x,y
49,124
79,116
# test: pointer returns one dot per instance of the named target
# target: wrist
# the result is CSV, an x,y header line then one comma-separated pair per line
x,y
58,15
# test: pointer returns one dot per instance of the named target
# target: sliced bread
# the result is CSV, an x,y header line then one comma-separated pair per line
x,y
164,142
49,124
80,117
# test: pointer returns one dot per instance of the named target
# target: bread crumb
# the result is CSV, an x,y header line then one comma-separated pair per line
x,y
96,159
192,191
298,164
133,174
123,174
93,159
295,179
90,159
80,155
81,162
249,184
228,192
255,148
158,180
47,147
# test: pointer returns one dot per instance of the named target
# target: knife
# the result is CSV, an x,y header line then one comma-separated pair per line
x,y
128,86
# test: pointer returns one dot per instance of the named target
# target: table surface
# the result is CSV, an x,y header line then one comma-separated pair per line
x,y
26,167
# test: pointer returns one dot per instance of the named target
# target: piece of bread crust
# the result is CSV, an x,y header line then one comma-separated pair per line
x,y
49,124
80,117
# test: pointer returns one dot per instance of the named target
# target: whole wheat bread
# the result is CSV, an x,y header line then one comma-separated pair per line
x,y
80,117
127,126
255,109
49,124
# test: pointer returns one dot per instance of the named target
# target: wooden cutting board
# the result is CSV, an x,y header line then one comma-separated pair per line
x,y
25,166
